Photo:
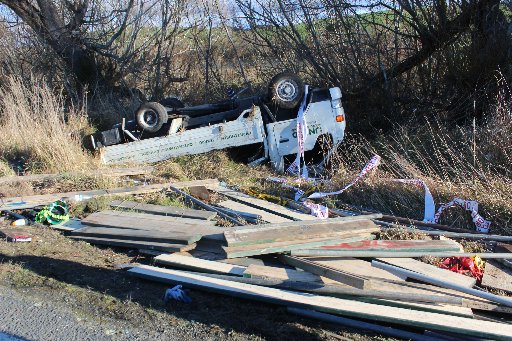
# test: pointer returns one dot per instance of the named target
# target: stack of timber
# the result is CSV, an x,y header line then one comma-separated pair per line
x,y
146,231
332,270
281,237
287,262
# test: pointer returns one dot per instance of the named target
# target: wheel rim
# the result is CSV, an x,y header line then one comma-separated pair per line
x,y
286,90
150,118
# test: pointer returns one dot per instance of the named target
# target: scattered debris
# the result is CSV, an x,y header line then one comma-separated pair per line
x,y
177,294
53,214
462,265
15,235
20,220
312,266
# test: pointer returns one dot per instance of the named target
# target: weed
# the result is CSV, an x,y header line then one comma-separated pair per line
x,y
17,276
38,132
401,234
101,203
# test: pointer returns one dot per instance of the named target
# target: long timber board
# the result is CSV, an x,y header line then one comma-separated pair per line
x,y
162,210
23,202
338,306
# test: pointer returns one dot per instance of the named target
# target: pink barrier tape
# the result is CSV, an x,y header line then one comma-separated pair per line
x,y
372,164
481,224
302,131
317,210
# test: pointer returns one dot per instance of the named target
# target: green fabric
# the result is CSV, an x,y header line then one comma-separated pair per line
x,y
55,213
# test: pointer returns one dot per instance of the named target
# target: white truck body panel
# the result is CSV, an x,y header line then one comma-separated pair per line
x,y
246,129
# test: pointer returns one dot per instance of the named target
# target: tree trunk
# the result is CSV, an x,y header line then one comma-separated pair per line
x,y
47,22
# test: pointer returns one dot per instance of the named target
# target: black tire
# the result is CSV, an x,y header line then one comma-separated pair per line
x,y
172,102
151,116
286,90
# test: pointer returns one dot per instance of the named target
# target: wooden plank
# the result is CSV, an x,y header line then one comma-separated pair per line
x,y
324,271
435,308
260,204
149,222
163,210
397,254
357,267
167,247
430,270
398,245
16,203
453,235
304,224
423,293
503,247
173,237
266,216
201,265
70,225
338,306
262,249
445,284
305,281
360,325
271,233
497,276
141,221
113,172
211,246
285,274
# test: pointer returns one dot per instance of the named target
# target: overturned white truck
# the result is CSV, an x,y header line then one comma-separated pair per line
x,y
266,125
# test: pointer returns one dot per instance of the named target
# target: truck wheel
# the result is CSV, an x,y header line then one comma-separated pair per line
x,y
151,116
286,90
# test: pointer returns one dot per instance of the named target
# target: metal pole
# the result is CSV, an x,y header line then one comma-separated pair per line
x,y
393,254
414,275
206,206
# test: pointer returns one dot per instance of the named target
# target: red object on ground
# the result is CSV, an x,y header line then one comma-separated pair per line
x,y
462,265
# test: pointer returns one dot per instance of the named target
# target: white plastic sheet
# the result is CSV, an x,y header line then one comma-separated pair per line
x,y
430,206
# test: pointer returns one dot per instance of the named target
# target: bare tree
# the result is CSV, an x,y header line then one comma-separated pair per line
x,y
100,40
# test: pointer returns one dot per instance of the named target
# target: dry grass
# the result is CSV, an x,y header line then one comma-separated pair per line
x,y
465,162
216,164
38,132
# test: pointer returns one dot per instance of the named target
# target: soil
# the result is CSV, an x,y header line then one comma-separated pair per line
x,y
56,288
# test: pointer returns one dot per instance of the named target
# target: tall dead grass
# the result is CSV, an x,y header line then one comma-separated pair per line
x,y
469,162
38,133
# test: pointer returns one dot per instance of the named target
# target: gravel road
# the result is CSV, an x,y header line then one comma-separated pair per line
x,y
23,318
